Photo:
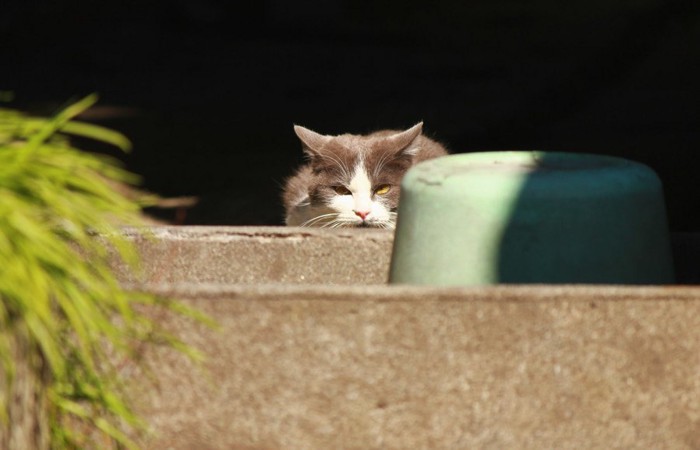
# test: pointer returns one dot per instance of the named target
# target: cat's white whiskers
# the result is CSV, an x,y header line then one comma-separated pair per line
x,y
338,223
315,220
341,222
386,225
331,224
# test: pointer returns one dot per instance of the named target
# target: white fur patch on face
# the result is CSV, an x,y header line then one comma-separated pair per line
x,y
361,188
360,206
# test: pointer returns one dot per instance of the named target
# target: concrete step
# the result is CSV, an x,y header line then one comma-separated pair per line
x,y
336,359
255,255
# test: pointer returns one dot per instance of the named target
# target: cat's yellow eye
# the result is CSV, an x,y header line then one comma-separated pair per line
x,y
382,189
341,190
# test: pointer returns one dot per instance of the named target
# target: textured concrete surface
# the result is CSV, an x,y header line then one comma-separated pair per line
x,y
363,366
253,255
321,367
265,255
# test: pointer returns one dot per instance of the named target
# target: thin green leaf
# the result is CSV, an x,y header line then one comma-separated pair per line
x,y
97,133
58,231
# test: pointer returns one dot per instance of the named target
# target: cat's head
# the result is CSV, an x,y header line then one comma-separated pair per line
x,y
356,179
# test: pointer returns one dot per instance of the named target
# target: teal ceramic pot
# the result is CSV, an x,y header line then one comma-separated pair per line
x,y
531,217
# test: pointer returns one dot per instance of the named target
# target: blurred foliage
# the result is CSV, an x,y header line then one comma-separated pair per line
x,y
60,222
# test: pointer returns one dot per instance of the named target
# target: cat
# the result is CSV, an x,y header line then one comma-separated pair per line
x,y
353,180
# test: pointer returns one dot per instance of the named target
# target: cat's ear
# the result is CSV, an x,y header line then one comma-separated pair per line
x,y
313,142
406,142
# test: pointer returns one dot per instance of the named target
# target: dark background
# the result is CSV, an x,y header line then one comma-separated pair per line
x,y
208,90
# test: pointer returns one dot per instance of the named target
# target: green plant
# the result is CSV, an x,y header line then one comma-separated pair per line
x,y
64,318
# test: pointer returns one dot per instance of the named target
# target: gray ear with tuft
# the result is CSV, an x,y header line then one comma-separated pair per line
x,y
406,142
312,141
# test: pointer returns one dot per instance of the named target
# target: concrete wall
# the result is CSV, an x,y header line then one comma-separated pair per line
x,y
255,255
363,366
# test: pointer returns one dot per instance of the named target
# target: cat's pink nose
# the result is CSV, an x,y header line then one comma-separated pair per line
x,y
362,214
